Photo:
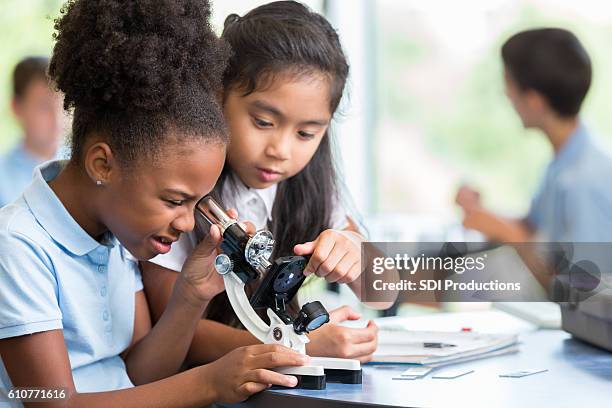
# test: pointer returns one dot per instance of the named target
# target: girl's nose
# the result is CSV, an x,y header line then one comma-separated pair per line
x,y
185,222
279,146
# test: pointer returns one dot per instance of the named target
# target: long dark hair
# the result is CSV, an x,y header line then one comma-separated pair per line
x,y
287,37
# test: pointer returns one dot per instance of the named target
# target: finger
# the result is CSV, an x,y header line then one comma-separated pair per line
x,y
353,273
232,213
343,313
372,325
366,359
362,335
362,351
249,388
269,349
329,267
305,249
323,247
215,234
343,271
275,359
210,242
365,354
350,349
258,349
249,227
263,376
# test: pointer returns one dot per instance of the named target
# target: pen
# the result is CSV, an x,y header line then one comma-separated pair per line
x,y
426,344
437,345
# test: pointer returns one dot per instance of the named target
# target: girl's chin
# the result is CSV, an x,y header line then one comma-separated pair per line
x,y
251,181
143,252
259,185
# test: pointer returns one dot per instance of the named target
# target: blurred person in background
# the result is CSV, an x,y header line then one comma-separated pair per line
x,y
547,76
38,110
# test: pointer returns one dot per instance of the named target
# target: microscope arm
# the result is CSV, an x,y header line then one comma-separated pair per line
x,y
276,333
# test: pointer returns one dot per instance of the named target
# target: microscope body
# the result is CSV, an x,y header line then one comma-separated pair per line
x,y
244,259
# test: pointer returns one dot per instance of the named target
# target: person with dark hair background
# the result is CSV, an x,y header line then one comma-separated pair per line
x,y
283,85
547,76
38,109
142,78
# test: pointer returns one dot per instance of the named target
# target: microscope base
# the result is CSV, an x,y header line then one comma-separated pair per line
x,y
310,377
340,370
343,376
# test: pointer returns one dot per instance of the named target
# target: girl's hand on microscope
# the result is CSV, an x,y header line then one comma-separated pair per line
x,y
333,340
201,280
247,370
336,255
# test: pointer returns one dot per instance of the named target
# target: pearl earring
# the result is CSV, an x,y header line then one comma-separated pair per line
x,y
98,182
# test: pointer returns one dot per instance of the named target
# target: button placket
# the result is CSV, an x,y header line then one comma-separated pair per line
x,y
100,258
108,326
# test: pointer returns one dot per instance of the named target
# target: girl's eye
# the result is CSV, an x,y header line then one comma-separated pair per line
x,y
262,123
174,203
306,135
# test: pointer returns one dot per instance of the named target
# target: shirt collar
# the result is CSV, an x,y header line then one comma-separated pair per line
x,y
572,147
53,216
266,195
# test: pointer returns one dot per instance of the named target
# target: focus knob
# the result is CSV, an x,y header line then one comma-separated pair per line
x,y
223,264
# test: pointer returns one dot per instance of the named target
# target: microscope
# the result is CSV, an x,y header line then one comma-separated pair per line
x,y
244,259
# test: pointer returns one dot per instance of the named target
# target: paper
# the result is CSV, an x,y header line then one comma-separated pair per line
x,y
402,346
416,371
523,373
494,353
452,374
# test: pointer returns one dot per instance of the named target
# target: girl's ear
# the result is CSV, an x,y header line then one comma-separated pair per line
x,y
100,163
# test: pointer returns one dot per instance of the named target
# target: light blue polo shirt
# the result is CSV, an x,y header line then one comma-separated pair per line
x,y
574,200
53,275
16,169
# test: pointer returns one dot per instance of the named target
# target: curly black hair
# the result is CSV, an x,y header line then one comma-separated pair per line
x,y
142,73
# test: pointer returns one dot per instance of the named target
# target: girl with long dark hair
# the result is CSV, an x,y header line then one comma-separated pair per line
x,y
283,84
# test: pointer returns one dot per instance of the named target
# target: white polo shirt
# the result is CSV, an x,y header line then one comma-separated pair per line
x,y
252,205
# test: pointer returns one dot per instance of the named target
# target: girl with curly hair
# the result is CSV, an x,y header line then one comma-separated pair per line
x,y
148,140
